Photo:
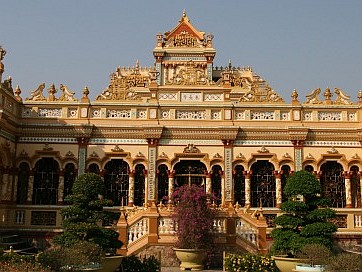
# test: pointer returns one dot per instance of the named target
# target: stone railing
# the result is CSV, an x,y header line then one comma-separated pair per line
x,y
137,230
246,231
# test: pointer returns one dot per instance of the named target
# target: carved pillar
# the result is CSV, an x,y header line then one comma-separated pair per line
x,y
151,184
82,154
29,199
347,184
227,191
61,187
247,187
208,182
298,154
5,185
131,188
223,190
171,179
278,188
145,173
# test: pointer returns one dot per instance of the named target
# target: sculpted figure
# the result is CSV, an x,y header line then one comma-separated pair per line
x,y
312,98
66,95
342,98
37,94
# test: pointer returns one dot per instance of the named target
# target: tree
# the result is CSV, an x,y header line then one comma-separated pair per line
x,y
306,218
83,217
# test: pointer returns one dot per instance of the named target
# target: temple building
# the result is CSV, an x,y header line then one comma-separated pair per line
x,y
181,121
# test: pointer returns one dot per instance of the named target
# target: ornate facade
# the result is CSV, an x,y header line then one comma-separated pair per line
x,y
181,121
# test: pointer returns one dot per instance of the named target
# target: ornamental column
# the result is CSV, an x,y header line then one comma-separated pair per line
x,y
278,188
82,154
29,199
151,184
347,183
247,175
131,188
208,182
5,185
61,187
227,181
171,179
298,154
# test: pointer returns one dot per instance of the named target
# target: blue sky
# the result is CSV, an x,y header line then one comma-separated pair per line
x,y
292,44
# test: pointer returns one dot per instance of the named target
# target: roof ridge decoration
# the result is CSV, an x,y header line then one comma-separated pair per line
x,y
341,99
124,80
185,35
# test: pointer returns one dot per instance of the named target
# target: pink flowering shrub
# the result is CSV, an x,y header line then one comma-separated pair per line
x,y
193,217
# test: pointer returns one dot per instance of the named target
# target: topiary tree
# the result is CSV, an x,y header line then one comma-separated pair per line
x,y
306,218
83,217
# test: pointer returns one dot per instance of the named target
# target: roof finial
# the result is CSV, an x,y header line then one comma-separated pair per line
x,y
184,13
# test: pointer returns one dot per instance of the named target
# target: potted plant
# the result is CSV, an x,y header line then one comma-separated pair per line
x,y
83,218
194,221
305,220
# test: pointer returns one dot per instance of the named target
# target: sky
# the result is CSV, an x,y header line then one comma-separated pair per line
x,y
292,44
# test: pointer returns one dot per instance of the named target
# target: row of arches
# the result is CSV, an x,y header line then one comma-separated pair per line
x,y
46,184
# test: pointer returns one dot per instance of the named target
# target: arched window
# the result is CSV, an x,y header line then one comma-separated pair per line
x,y
23,181
94,168
116,181
332,182
309,168
285,174
46,180
355,187
162,183
263,184
216,182
69,177
189,172
139,185
239,185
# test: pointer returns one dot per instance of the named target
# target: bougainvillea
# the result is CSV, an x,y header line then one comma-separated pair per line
x,y
193,217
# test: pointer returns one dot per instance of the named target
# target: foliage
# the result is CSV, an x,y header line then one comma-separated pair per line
x,y
13,262
315,253
193,217
73,257
303,222
344,262
134,264
83,217
249,263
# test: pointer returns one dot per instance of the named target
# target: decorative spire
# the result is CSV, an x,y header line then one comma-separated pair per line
x,y
184,17
51,92
85,98
17,93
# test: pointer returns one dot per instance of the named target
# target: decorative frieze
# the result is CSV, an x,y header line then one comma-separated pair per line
x,y
240,115
96,113
307,116
285,115
141,114
352,116
215,115
190,115
329,116
167,96
49,113
262,115
72,112
213,97
122,114
165,114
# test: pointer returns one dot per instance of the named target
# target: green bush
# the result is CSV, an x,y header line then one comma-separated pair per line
x,y
134,264
345,262
249,263
13,262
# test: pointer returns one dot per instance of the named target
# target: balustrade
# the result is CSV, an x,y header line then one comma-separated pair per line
x,y
137,230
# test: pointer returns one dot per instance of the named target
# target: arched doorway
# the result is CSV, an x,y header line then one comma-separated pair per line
x,y
284,176
162,183
190,172
116,179
216,182
355,187
239,185
139,185
263,191
332,182
69,178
